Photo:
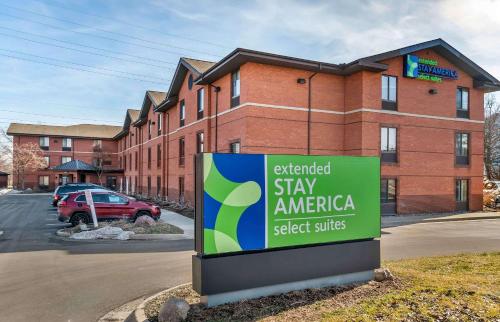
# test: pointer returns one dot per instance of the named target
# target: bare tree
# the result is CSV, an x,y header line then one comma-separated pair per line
x,y
26,158
491,137
5,152
101,159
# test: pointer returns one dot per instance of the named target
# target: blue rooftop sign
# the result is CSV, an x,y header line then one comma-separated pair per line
x,y
426,69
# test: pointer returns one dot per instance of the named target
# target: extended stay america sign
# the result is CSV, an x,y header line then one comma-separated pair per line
x,y
256,202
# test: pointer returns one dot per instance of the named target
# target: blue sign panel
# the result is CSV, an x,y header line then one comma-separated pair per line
x,y
426,69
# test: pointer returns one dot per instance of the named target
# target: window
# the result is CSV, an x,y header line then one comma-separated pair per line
x,y
117,199
44,142
97,143
200,102
158,156
159,123
181,188
234,147
81,198
150,127
387,190
130,162
111,183
158,185
462,102
136,160
190,81
47,161
388,195
43,181
181,151
199,142
65,159
182,113
149,158
461,194
130,139
388,145
100,197
66,144
121,162
125,162
462,148
389,92
235,88
149,185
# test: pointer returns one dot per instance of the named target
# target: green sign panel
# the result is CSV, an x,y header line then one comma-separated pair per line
x,y
255,201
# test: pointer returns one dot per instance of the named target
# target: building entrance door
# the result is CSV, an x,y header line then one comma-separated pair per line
x,y
83,178
388,196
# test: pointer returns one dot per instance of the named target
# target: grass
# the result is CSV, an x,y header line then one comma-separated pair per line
x,y
447,288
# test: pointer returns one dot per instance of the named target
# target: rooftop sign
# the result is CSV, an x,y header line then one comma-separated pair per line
x,y
426,69
255,202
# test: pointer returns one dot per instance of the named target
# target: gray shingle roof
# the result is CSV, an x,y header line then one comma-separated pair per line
x,y
74,165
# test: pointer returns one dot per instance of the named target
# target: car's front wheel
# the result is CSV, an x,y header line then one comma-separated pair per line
x,y
140,214
79,217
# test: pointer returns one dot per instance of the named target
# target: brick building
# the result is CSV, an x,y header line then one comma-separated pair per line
x,y
70,152
420,108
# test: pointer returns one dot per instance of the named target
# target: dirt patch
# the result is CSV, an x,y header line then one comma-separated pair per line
x,y
446,288
303,305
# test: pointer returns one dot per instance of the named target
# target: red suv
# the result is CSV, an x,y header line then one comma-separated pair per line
x,y
108,206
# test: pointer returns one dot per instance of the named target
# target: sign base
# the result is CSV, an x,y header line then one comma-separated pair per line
x,y
230,297
231,278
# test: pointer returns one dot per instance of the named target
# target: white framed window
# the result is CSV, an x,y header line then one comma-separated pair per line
x,y
65,159
160,120
47,161
235,84
389,88
44,141
200,97
234,147
66,142
97,143
388,139
43,181
182,113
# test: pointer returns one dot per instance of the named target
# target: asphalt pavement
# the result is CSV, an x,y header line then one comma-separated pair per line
x,y
46,278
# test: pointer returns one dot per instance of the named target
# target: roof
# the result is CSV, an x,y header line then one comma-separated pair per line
x,y
151,97
133,114
239,56
482,79
130,117
74,165
195,66
77,130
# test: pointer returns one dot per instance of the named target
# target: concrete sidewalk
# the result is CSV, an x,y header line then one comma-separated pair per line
x,y
183,222
401,220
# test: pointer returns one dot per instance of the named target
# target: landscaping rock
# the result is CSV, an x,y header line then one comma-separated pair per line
x,y
144,220
382,274
106,232
174,310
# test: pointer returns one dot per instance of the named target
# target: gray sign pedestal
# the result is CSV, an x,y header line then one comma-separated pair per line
x,y
231,278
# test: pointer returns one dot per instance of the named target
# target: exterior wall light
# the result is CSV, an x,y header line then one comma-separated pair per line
x,y
433,91
301,80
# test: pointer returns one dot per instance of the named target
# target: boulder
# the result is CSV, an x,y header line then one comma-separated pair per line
x,y
144,220
174,310
382,274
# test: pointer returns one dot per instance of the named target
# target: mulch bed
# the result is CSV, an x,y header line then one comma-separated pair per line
x,y
303,305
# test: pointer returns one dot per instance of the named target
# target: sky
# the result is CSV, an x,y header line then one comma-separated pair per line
x,y
67,62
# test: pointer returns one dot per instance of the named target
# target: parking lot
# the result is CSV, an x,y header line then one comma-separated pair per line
x,y
46,278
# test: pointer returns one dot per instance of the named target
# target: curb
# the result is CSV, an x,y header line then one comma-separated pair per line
x,y
62,233
138,315
433,220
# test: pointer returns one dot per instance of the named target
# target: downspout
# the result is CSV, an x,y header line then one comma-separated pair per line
x,y
309,109
164,191
217,90
167,152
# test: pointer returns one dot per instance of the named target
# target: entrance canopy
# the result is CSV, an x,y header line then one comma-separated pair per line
x,y
74,165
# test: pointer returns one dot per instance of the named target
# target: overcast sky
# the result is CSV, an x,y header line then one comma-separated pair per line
x,y
88,61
